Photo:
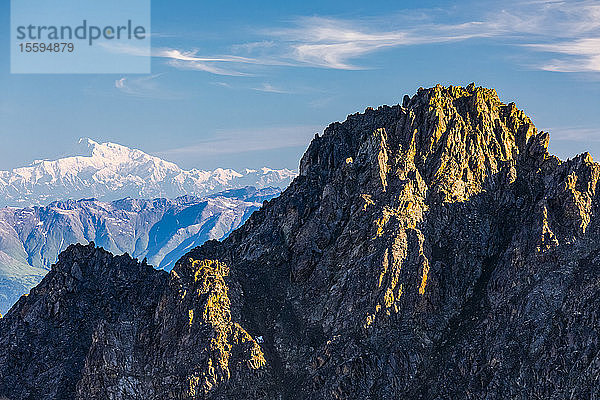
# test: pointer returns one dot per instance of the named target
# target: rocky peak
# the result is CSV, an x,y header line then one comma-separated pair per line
x,y
428,250
410,252
454,138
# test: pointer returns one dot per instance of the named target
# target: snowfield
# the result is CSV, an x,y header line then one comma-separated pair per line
x,y
111,171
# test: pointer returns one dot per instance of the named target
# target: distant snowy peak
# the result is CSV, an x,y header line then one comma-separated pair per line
x,y
109,171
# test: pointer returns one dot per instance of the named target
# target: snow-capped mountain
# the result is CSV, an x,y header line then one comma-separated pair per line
x,y
109,171
160,230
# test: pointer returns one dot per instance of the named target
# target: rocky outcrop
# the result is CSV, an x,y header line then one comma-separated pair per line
x,y
430,250
104,327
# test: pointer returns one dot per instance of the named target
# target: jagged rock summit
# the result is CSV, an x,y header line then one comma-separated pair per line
x,y
430,250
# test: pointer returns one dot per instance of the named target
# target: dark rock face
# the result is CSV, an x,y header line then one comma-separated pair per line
x,y
50,332
433,250
104,327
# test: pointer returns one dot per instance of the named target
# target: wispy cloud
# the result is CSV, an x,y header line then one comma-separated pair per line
x,y
565,36
583,55
145,86
334,43
192,61
314,42
240,141
569,28
205,67
570,31
252,46
268,88
189,60
223,84
575,134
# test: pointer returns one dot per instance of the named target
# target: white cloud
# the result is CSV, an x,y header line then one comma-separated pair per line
x,y
145,86
205,67
253,46
568,29
583,55
334,43
191,61
175,54
268,88
120,83
575,134
223,84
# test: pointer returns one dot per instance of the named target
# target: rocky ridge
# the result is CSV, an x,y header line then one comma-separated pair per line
x,y
160,230
429,250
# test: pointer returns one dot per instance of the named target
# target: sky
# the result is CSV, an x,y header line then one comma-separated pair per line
x,y
247,84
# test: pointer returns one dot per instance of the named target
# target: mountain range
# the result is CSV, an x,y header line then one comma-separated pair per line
x,y
159,230
429,250
109,171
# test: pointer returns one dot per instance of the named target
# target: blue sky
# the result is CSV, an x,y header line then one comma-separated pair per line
x,y
247,84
